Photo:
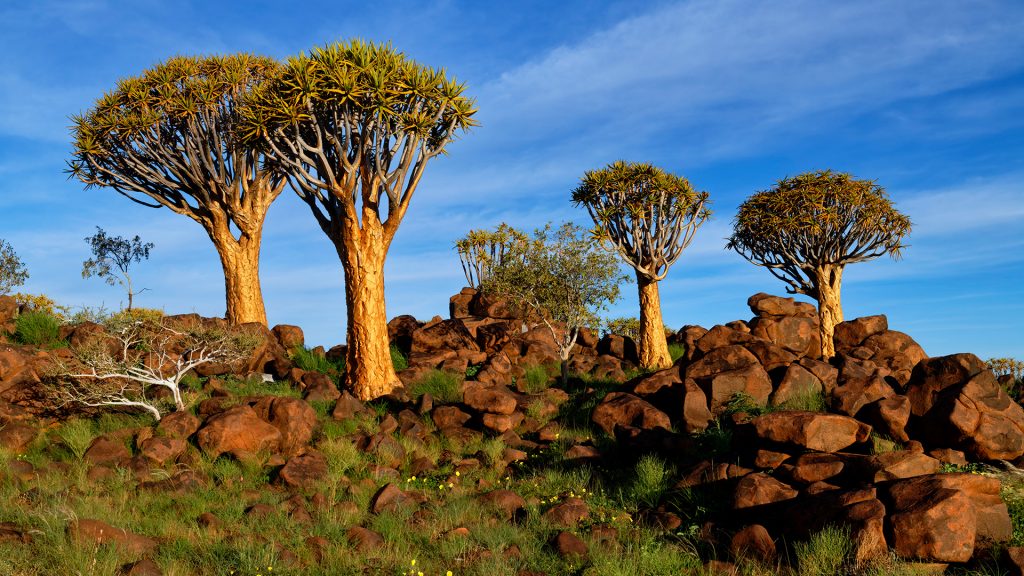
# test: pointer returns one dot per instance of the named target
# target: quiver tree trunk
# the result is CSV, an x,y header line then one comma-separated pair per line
x,y
241,262
369,372
828,280
653,346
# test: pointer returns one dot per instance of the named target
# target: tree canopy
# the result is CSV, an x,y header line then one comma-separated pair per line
x,y
647,214
814,220
112,256
354,115
481,251
12,270
168,137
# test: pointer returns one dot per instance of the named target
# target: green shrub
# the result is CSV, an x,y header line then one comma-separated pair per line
x,y
398,360
444,387
825,553
37,329
76,436
651,481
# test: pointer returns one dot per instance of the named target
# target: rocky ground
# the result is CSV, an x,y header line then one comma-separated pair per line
x,y
750,455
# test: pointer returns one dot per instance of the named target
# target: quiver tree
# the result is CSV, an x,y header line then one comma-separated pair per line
x,y
112,256
807,228
562,280
481,251
126,364
649,216
354,124
167,138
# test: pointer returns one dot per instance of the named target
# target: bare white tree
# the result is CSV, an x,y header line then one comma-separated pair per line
x,y
121,366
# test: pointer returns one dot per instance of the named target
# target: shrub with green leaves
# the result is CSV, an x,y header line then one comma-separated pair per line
x,y
651,481
12,270
398,360
37,328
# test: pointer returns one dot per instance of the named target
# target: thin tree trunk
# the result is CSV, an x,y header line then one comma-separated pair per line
x,y
240,260
653,345
369,372
830,308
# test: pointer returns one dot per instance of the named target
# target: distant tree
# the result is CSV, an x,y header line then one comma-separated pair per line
x,y
167,138
12,270
562,280
480,251
355,124
650,217
121,367
807,228
112,256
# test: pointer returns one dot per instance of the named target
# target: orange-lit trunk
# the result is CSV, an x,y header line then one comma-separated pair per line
x,y
653,345
369,372
828,281
240,260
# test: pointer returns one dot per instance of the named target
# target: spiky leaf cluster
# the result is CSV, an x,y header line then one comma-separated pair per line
x,y
12,270
563,280
815,220
354,114
647,214
167,137
480,251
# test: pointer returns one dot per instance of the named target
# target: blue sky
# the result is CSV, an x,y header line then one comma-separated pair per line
x,y
925,96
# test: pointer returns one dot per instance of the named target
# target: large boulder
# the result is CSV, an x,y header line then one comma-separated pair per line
x,y
238,430
621,347
786,323
861,382
458,305
850,334
725,372
624,409
942,517
896,351
290,337
489,399
447,335
809,430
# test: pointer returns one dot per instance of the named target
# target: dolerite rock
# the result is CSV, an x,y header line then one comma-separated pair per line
x,y
390,497
238,430
943,516
624,409
107,450
753,542
87,532
621,347
896,351
294,418
15,437
759,489
569,546
809,430
858,510
458,304
493,399
861,382
319,387
447,335
797,382
888,416
144,567
786,323
507,502
400,331
364,539
725,372
850,334
8,313
304,471
162,449
488,306
815,467
181,424
569,512
688,336
348,406
962,406
682,399
446,417
290,337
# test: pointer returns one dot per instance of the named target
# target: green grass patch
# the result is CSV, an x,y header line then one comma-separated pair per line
x,y
825,554
315,362
676,351
34,328
398,360
444,387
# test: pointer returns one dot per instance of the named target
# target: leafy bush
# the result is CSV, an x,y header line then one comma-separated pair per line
x,y
37,328
76,436
12,269
825,553
444,387
676,351
398,360
40,303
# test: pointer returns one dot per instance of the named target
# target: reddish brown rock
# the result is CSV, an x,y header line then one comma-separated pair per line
x,y
12,533
449,417
934,375
144,567
888,416
896,351
89,532
295,419
107,450
1013,560
799,335
319,387
364,539
304,471
389,497
810,430
569,512
501,423
852,333
569,546
620,347
815,467
181,424
759,489
348,406
162,449
290,337
15,437
754,542
238,430
762,304
507,502
458,304
797,383
494,400
445,335
623,409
